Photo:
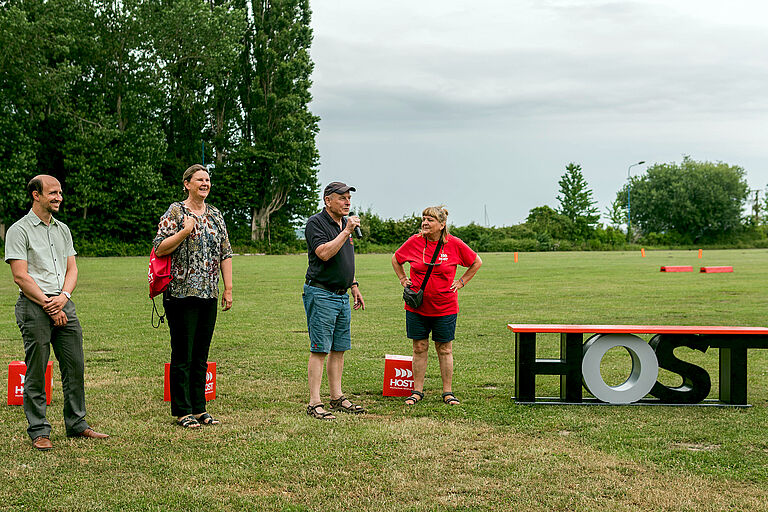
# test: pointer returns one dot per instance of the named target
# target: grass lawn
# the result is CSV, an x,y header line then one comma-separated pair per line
x,y
487,454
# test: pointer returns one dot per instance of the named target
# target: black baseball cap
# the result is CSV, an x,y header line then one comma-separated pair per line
x,y
337,187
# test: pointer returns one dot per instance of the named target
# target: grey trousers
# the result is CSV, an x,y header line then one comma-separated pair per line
x,y
38,334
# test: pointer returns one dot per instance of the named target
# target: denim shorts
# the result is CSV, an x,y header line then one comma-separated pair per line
x,y
328,318
418,327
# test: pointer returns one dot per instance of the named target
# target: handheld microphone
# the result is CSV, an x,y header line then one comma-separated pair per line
x,y
358,232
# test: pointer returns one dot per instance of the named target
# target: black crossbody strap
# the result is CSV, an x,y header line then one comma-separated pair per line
x,y
186,211
432,263
160,318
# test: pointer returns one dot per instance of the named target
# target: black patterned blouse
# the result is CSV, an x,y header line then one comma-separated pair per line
x,y
197,261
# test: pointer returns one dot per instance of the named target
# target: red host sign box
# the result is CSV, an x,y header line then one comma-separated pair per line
x,y
210,382
398,375
17,370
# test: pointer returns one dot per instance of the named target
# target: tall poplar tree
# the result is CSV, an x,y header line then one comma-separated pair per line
x,y
274,166
196,45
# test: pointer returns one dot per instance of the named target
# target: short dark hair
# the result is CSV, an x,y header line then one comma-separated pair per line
x,y
35,185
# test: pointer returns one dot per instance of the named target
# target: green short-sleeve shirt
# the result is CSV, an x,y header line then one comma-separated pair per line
x,y
44,248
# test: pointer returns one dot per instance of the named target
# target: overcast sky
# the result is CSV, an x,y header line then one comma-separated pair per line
x,y
481,104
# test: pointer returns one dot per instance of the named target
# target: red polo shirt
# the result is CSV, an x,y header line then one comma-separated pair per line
x,y
439,300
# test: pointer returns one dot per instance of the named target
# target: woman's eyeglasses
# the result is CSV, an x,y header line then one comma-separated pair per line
x,y
427,260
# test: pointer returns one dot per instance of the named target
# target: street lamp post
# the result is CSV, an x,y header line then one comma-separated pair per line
x,y
629,185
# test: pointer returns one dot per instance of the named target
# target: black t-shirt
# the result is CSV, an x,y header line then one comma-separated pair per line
x,y
339,271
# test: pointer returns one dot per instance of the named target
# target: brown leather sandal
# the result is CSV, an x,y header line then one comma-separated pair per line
x,y
312,410
338,404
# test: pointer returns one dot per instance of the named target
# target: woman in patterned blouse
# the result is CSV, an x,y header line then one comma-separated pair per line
x,y
195,234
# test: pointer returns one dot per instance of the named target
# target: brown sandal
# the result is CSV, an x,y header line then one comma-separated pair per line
x,y
352,408
312,410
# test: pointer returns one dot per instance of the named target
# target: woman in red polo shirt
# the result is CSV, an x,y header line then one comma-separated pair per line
x,y
438,311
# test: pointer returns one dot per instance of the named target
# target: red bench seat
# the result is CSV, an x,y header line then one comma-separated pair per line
x,y
714,270
637,329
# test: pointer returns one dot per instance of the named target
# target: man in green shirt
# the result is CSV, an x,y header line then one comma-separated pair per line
x,y
42,258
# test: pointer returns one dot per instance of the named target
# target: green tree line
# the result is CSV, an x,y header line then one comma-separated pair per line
x,y
117,98
672,204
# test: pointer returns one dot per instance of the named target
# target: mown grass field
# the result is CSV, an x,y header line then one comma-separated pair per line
x,y
487,454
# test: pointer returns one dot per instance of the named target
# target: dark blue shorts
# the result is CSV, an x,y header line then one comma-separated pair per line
x,y
418,327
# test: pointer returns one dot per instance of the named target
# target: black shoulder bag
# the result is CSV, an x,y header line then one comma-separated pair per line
x,y
412,298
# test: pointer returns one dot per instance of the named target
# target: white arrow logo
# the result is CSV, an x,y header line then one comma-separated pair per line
x,y
21,377
403,373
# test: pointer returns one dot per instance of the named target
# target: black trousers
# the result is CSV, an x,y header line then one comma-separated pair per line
x,y
191,321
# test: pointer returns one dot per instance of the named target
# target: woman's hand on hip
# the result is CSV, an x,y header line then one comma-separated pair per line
x,y
456,286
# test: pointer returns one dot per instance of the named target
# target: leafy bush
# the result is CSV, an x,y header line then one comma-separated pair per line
x,y
366,247
386,235
663,239
507,245
264,247
388,232
107,247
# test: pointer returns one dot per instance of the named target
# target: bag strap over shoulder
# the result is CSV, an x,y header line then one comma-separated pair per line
x,y
431,263
184,211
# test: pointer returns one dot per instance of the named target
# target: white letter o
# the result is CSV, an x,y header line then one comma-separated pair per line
x,y
645,368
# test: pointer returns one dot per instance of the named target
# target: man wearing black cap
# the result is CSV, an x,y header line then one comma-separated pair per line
x,y
330,274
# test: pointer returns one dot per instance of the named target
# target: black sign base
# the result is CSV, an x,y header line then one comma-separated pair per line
x,y
553,400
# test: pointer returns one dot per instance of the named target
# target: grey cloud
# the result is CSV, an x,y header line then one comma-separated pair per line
x,y
657,63
541,84
604,84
